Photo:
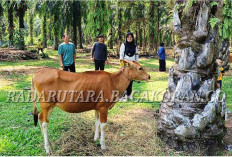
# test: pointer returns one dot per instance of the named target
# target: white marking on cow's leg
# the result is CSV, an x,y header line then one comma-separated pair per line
x,y
102,141
97,124
46,140
40,124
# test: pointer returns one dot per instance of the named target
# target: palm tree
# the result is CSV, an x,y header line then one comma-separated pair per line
x,y
10,5
1,23
79,15
31,21
42,8
192,112
74,24
54,8
21,9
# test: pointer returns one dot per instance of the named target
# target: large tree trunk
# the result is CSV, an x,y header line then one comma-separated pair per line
x,y
50,28
56,31
151,30
119,30
1,24
31,22
79,25
44,30
21,11
157,30
140,37
144,37
11,23
75,14
111,41
225,54
192,112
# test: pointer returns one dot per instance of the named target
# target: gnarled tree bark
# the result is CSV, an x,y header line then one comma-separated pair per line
x,y
192,112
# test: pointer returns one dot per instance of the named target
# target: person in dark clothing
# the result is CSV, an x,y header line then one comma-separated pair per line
x,y
129,51
162,57
99,53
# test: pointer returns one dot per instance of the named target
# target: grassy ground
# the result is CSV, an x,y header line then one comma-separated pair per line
x,y
131,129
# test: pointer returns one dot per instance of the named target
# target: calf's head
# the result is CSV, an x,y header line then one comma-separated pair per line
x,y
135,71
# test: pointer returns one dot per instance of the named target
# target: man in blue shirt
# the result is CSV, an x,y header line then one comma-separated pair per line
x,y
161,57
67,54
99,53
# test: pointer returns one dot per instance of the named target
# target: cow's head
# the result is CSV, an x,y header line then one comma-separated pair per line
x,y
135,71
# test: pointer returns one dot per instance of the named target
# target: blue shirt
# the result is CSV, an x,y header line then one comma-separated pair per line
x,y
161,53
99,51
67,51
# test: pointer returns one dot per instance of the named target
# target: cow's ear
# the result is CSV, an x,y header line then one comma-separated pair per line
x,y
126,63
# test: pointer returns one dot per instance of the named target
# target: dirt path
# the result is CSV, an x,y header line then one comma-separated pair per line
x,y
130,133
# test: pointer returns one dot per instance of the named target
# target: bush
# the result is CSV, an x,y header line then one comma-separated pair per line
x,y
3,46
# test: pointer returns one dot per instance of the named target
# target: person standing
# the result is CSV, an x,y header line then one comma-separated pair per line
x,y
99,53
162,58
67,54
221,73
40,47
129,51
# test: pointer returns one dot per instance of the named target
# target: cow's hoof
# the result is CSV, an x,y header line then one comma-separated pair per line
x,y
103,147
48,151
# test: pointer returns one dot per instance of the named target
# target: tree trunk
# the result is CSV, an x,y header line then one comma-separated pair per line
x,y
75,14
192,113
11,23
56,31
111,42
144,37
21,11
136,32
50,29
79,25
119,30
1,24
157,31
152,23
31,28
225,54
140,37
45,30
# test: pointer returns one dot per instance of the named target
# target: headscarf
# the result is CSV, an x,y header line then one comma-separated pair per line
x,y
130,47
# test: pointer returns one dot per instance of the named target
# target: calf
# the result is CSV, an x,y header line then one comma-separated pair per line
x,y
80,92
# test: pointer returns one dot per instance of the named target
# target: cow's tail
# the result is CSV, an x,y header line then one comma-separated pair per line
x,y
35,110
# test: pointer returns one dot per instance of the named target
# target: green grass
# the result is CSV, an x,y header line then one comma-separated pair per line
x,y
18,136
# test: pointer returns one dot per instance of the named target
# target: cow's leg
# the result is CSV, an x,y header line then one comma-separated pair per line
x,y
97,124
103,120
44,116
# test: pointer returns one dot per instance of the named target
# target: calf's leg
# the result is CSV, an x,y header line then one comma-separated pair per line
x,y
97,124
44,116
103,120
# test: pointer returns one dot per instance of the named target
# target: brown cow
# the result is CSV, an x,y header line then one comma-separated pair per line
x,y
80,92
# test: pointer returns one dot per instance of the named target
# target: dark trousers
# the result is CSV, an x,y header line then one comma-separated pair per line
x,y
41,49
219,84
70,68
162,65
129,89
99,64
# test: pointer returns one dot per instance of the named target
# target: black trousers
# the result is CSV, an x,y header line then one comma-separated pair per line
x,y
219,83
70,68
129,89
162,65
99,64
41,49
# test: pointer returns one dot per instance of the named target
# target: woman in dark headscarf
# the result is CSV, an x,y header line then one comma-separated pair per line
x,y
129,51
